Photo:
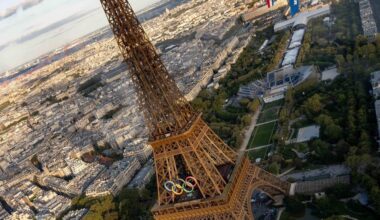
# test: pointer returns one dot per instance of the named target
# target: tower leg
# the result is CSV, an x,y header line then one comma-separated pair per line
x,y
232,205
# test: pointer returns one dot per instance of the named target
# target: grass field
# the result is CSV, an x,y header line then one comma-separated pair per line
x,y
262,135
278,103
261,153
270,111
268,115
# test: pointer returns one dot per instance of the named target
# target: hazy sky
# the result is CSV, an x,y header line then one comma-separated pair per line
x,y
29,32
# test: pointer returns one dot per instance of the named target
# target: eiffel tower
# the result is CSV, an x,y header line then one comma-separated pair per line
x,y
198,175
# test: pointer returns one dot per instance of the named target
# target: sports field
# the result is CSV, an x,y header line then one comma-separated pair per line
x,y
278,103
268,115
266,126
260,153
262,135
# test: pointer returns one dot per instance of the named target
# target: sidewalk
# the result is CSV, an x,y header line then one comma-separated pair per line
x,y
248,132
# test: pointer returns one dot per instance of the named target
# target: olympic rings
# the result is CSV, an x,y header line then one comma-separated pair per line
x,y
181,186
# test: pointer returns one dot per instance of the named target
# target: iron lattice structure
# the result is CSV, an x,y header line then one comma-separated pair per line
x,y
183,144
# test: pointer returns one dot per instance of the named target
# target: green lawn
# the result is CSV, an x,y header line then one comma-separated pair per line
x,y
268,115
262,135
270,105
261,153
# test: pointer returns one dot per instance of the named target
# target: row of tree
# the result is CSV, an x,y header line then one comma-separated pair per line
x,y
343,108
323,41
129,204
228,122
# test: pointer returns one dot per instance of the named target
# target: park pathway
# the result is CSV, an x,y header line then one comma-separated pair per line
x,y
267,122
259,147
248,132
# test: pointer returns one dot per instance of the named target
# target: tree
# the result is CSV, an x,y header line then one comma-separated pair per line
x,y
313,105
361,40
294,206
349,58
351,126
322,151
341,149
327,207
92,216
333,132
378,44
246,119
200,104
356,161
274,168
365,180
340,191
297,162
362,118
324,120
283,116
277,158
334,217
111,216
254,105
99,207
129,204
375,197
373,58
364,143
244,102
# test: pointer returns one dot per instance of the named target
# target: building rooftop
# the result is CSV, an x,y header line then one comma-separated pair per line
x,y
297,38
302,18
330,74
308,133
290,56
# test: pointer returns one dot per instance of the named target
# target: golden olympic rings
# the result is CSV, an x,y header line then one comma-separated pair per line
x,y
181,186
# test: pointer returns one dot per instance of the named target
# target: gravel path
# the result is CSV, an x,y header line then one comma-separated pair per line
x,y
248,132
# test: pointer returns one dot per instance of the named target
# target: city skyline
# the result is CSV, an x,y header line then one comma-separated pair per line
x,y
31,28
204,109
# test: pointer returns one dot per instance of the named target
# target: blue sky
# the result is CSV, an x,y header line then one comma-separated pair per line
x,y
47,25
